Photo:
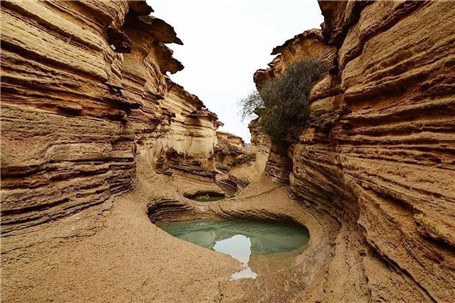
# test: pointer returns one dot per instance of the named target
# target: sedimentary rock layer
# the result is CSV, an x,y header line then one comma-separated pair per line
x,y
306,46
377,158
84,89
230,151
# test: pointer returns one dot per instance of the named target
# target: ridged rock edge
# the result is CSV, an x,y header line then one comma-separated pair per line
x,y
381,174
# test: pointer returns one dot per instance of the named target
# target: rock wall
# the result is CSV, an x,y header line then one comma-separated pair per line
x,y
232,140
230,151
84,89
308,45
188,142
376,163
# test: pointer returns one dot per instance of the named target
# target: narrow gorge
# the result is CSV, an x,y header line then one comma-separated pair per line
x,y
99,148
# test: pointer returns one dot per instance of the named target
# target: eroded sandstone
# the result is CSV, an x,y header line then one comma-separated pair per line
x,y
89,114
375,159
84,90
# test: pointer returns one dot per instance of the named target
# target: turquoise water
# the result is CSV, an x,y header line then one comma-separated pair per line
x,y
261,247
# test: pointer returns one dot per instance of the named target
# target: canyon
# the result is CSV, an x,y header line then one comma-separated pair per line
x,y
98,144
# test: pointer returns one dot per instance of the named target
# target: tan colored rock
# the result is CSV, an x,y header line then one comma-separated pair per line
x,y
230,151
86,107
381,168
81,96
308,45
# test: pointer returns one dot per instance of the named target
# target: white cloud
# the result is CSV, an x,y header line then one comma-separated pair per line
x,y
225,42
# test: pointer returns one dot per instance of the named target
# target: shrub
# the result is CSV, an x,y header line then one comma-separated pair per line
x,y
251,104
283,102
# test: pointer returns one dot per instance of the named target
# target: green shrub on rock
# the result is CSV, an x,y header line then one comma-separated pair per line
x,y
282,103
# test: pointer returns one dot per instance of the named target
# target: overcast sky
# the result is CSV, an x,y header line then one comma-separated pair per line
x,y
226,41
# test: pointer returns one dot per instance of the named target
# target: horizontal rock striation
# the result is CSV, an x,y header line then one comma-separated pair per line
x,y
377,161
230,151
306,46
187,141
84,89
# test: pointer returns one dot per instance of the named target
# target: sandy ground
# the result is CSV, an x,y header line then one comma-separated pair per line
x,y
113,253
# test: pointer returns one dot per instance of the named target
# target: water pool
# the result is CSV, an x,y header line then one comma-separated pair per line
x,y
261,247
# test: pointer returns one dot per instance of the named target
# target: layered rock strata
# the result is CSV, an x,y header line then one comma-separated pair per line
x,y
230,151
306,46
85,97
84,89
377,158
232,156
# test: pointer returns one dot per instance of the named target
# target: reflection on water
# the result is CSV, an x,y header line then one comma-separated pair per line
x,y
238,247
261,247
